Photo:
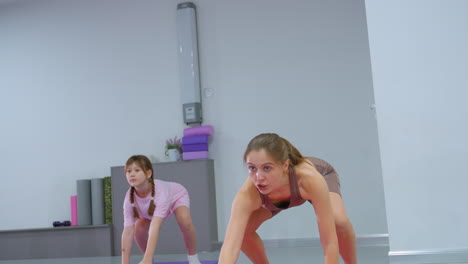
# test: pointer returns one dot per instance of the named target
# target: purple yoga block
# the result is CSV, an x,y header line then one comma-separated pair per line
x,y
195,155
194,147
194,140
201,130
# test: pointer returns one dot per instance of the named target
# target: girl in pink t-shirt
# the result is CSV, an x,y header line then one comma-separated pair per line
x,y
147,203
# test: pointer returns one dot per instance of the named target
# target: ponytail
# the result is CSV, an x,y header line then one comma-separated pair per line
x,y
276,146
293,153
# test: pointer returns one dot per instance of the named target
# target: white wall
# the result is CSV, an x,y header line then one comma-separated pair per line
x,y
88,84
419,62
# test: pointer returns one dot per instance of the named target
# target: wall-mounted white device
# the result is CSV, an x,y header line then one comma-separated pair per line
x,y
187,42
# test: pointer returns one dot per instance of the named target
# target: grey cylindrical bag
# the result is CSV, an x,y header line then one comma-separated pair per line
x,y
97,201
83,193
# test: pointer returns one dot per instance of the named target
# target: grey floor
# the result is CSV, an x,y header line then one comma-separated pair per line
x,y
368,254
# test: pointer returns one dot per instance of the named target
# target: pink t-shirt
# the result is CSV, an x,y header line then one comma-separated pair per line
x,y
168,196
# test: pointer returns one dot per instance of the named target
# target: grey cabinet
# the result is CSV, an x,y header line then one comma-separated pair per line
x,y
195,175
58,242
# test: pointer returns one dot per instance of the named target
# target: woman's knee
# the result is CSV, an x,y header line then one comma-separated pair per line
x,y
249,237
342,223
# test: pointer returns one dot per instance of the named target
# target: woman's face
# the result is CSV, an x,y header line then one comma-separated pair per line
x,y
264,171
136,176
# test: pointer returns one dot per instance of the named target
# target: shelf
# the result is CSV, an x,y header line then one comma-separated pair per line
x,y
56,242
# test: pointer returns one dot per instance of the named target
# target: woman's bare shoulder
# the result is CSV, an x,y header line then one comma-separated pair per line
x,y
309,179
248,195
306,170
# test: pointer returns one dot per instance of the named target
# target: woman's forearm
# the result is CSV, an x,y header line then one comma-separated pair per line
x,y
228,255
331,254
231,246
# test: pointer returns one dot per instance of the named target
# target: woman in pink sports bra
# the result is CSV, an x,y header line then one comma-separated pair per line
x,y
147,203
280,178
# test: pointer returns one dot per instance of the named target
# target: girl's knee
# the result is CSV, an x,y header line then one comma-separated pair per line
x,y
142,225
186,226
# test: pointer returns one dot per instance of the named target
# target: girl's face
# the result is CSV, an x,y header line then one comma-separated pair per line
x,y
265,172
136,176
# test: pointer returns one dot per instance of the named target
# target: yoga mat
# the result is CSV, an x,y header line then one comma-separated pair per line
x,y
186,262
194,140
97,201
201,130
195,147
74,210
195,155
83,193
107,200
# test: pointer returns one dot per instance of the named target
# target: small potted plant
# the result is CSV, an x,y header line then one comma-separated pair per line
x,y
173,148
